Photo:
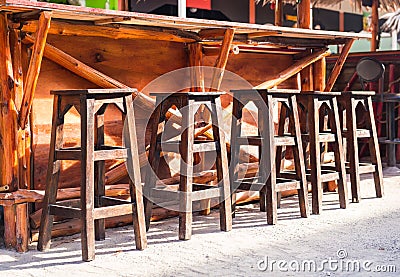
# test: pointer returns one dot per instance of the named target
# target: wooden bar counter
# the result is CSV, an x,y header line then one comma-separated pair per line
x,y
50,46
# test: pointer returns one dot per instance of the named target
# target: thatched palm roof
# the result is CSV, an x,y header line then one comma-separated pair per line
x,y
392,22
388,5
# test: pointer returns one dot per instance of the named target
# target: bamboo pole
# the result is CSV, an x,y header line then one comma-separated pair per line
x,y
293,70
8,114
337,68
34,67
319,79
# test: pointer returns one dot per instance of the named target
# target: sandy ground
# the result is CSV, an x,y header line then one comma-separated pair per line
x,y
365,234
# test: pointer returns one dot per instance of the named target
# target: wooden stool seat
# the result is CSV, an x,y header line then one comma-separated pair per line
x,y
188,103
271,178
94,206
349,101
312,104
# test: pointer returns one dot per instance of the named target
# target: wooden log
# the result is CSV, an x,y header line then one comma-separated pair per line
x,y
8,114
294,69
222,60
34,67
337,68
15,42
22,228
115,31
10,238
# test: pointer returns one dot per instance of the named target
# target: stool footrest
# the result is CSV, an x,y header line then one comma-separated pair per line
x,y
326,175
285,140
105,153
199,192
323,137
361,133
249,140
198,146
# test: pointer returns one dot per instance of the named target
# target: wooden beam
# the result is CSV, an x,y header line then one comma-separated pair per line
x,y
8,114
115,31
34,67
278,12
339,65
304,14
374,25
294,69
222,60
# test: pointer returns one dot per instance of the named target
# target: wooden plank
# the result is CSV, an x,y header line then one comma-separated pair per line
x,y
8,114
34,67
114,31
294,69
339,65
56,55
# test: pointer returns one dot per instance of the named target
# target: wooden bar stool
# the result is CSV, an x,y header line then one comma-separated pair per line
x,y
188,103
271,178
312,102
349,101
93,206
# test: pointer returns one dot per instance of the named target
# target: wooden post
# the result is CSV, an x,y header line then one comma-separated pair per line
x,y
339,65
252,12
10,239
22,230
304,14
278,12
8,113
195,62
34,67
374,25
319,75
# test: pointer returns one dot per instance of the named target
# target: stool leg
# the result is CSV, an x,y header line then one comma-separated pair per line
x,y
267,160
237,109
53,173
135,185
87,182
299,159
315,154
10,227
99,189
185,184
339,157
374,150
352,149
154,160
280,150
222,167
